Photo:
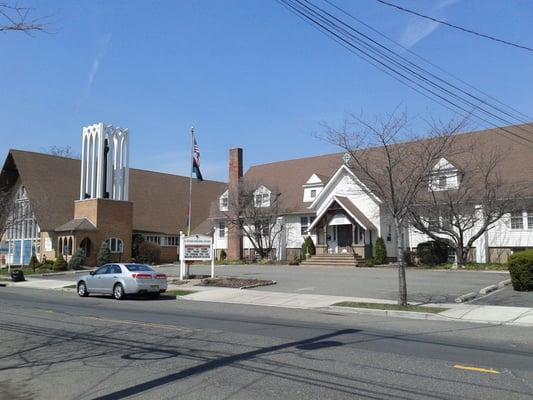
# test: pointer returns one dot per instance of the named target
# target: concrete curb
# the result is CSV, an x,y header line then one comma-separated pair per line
x,y
466,297
81,271
488,289
504,283
393,313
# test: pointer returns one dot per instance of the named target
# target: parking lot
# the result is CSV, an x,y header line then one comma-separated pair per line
x,y
426,286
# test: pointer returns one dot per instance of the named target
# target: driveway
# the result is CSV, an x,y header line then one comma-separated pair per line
x,y
508,297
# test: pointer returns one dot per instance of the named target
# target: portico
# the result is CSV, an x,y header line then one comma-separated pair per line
x,y
341,228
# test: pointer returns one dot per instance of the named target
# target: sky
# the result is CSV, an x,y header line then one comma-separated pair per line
x,y
244,73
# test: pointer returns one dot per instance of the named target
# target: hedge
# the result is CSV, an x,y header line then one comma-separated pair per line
x,y
521,270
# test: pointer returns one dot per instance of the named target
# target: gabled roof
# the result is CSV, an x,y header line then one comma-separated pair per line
x,y
350,208
160,200
77,225
316,179
290,176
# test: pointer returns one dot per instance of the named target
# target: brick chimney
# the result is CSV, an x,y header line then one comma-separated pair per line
x,y
235,175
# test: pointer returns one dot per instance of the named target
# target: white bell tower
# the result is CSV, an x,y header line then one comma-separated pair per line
x,y
104,163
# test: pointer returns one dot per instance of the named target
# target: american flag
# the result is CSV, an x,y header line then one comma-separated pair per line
x,y
196,153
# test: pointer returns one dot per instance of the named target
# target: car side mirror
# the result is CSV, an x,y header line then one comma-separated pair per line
x,y
92,272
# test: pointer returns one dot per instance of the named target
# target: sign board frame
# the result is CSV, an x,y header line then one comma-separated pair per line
x,y
196,248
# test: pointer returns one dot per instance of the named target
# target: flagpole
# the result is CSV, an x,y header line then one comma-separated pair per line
x,y
190,183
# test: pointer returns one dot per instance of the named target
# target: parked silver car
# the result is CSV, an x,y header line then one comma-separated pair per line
x,y
121,279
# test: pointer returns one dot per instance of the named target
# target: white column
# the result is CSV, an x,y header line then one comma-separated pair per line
x,y
83,165
126,167
89,168
100,161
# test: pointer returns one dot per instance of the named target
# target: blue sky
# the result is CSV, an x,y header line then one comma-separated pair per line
x,y
244,73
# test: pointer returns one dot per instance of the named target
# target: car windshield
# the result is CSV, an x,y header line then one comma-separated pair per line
x,y
139,267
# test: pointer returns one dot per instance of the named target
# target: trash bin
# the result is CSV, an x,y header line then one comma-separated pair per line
x,y
17,275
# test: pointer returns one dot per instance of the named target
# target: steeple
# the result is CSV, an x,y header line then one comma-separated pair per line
x,y
104,162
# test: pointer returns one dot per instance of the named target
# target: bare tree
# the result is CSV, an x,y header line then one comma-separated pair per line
x,y
62,151
460,213
14,17
391,169
256,212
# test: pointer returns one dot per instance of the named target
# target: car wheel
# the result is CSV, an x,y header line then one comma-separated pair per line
x,y
82,290
118,291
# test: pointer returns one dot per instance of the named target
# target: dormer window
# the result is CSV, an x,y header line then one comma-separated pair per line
x,y
313,186
445,176
262,197
223,201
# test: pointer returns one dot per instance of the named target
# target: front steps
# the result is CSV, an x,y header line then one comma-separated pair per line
x,y
335,260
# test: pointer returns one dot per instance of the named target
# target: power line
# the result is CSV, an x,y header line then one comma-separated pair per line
x,y
483,35
394,65
458,79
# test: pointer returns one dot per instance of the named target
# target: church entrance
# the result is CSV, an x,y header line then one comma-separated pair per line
x,y
344,235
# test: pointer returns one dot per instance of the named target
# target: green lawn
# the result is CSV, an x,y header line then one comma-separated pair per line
x,y
176,293
394,307
469,267
27,271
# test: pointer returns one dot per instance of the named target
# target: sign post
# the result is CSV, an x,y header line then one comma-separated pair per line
x,y
195,248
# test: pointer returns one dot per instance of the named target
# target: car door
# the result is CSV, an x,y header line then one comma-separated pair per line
x,y
95,283
111,277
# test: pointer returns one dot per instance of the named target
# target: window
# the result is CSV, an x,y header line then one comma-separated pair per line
x,y
221,230
443,182
223,202
313,193
433,223
311,220
115,269
115,245
517,221
139,268
102,270
170,241
304,225
153,239
258,200
530,219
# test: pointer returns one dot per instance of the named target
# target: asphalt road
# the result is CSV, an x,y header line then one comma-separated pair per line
x,y
58,346
424,286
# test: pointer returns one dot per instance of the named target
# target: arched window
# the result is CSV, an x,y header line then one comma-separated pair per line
x,y
60,245
115,245
70,246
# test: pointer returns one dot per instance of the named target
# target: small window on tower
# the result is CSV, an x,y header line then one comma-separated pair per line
x,y
313,193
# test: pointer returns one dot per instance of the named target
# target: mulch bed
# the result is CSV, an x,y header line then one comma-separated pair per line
x,y
235,283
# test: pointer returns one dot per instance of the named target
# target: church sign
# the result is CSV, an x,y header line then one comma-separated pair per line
x,y
197,248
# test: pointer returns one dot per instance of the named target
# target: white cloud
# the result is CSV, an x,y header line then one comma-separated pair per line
x,y
416,30
419,28
97,60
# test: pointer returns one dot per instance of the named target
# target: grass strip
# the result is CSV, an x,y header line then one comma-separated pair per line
x,y
177,293
392,307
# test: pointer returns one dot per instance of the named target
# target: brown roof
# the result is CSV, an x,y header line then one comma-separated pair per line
x,y
77,224
289,176
160,201
349,206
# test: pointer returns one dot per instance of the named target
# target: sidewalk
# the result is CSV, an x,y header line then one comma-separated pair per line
x,y
520,316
